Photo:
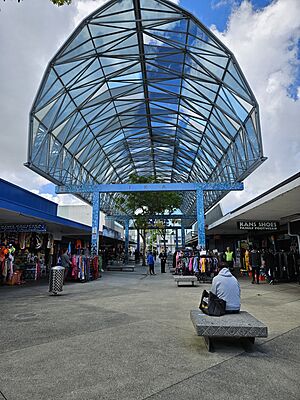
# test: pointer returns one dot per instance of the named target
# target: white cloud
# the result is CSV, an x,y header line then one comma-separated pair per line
x,y
221,3
265,45
31,32
86,7
61,199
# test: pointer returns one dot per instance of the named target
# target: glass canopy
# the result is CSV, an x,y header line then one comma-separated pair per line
x,y
143,87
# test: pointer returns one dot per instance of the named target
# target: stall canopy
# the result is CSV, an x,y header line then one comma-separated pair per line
x,y
19,207
142,87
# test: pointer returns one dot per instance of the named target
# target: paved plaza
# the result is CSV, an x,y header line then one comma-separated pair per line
x,y
129,336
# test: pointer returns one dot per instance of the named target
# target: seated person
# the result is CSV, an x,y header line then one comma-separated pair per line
x,y
227,288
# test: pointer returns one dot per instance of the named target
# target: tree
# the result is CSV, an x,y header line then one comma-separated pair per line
x,y
142,205
56,2
61,2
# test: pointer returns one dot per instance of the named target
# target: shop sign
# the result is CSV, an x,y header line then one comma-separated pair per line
x,y
23,228
258,225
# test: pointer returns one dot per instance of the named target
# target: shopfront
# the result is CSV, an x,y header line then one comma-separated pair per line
x,y
32,236
264,223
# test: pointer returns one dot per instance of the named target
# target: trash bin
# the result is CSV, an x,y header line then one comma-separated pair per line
x,y
56,279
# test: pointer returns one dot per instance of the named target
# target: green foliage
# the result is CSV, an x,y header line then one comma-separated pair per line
x,y
61,2
57,2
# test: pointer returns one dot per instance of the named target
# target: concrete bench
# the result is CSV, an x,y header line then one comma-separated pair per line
x,y
241,325
185,279
129,268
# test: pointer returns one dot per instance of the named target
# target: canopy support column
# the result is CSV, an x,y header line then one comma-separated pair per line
x,y
182,236
176,240
126,240
200,219
95,224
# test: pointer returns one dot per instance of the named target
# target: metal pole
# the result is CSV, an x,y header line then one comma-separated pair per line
x,y
176,243
126,240
200,219
95,224
182,237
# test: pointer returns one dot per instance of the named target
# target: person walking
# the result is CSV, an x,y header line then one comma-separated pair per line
x,y
163,260
66,263
150,262
255,261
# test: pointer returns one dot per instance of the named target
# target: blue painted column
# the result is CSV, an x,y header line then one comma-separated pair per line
x,y
126,240
200,219
176,240
95,224
138,240
182,236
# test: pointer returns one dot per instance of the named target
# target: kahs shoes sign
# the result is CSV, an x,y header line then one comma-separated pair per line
x,y
258,225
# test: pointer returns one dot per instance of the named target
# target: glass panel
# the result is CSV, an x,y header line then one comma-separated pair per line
x,y
56,89
212,69
235,86
251,135
120,14
50,80
99,30
233,101
91,74
199,38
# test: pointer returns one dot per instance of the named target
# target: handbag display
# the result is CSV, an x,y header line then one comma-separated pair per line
x,y
211,305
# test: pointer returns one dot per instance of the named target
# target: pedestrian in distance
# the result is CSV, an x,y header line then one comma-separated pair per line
x,y
66,263
150,262
154,255
163,260
229,258
269,261
255,261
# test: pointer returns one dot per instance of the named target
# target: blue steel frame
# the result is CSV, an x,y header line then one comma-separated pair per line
x,y
150,187
95,224
154,187
126,240
182,236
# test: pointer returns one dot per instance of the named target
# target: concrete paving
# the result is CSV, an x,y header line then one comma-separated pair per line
x,y
129,336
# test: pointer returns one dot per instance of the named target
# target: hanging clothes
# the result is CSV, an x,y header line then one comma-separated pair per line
x,y
196,265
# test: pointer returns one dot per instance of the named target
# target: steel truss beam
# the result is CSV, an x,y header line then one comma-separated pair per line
x,y
151,187
163,217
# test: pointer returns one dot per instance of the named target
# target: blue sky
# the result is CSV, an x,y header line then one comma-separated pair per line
x,y
216,12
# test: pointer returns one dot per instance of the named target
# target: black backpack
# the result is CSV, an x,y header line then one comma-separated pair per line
x,y
211,305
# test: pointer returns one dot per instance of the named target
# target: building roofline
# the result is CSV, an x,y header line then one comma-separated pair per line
x,y
280,185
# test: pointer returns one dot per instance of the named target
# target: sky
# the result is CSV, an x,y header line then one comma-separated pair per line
x,y
264,36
